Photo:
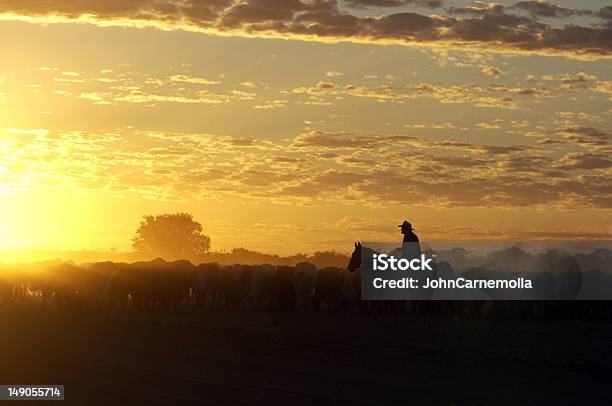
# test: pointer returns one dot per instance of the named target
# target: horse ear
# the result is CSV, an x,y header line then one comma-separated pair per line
x,y
355,244
359,244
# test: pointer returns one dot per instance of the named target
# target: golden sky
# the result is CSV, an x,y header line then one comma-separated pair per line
x,y
294,126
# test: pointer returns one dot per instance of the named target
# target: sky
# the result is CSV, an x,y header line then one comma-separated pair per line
x,y
291,126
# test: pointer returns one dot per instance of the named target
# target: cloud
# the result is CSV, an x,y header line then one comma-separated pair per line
x,y
332,74
481,26
137,88
394,3
271,104
495,124
585,160
606,15
436,126
604,86
315,167
323,139
139,97
491,71
477,8
494,96
542,8
34,131
580,77
193,80
586,136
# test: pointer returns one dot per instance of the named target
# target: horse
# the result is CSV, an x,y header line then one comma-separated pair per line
x,y
394,307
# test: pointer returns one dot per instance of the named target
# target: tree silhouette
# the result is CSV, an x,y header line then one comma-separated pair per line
x,y
170,236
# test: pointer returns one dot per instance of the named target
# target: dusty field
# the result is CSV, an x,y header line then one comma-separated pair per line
x,y
220,358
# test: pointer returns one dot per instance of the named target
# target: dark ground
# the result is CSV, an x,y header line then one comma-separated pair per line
x,y
254,358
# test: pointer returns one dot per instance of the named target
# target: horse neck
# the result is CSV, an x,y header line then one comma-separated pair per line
x,y
365,252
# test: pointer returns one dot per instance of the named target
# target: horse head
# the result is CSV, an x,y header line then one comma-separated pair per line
x,y
355,261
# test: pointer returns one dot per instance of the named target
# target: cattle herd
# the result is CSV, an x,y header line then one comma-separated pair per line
x,y
173,286
180,286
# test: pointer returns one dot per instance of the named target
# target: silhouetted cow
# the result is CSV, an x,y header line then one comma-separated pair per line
x,y
216,287
121,284
304,283
242,276
262,282
328,289
282,288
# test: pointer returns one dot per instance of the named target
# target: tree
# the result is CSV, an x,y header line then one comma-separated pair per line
x,y
170,236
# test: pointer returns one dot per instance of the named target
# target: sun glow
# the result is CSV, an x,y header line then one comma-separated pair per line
x,y
45,220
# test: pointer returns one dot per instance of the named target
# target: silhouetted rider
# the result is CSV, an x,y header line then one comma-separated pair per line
x,y
411,248
409,236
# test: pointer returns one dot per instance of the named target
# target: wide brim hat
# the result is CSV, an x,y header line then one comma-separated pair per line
x,y
406,224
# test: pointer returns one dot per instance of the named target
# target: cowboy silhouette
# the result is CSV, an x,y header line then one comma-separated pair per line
x,y
410,245
409,236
